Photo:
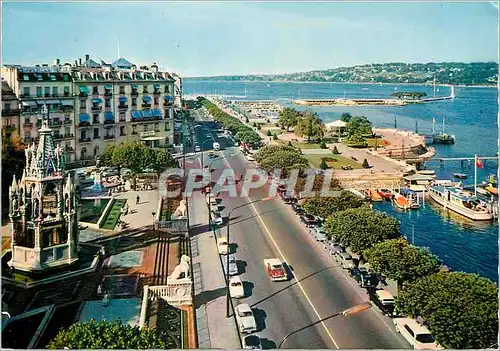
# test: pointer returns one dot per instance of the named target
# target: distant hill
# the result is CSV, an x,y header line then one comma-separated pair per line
x,y
460,73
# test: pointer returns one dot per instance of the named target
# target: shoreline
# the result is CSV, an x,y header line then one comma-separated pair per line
x,y
351,83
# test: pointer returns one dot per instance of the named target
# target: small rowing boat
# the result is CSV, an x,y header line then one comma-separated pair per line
x,y
492,190
460,175
375,196
385,193
401,202
427,172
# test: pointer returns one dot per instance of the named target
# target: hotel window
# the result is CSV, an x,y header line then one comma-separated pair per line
x,y
96,133
27,120
26,91
134,129
95,90
95,118
66,91
39,91
122,130
27,135
156,127
26,77
167,90
68,130
145,127
39,77
47,91
145,89
167,127
54,91
6,106
83,103
156,101
134,102
52,77
122,89
107,103
122,116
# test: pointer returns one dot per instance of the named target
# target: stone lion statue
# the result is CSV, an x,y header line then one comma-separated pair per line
x,y
182,267
181,210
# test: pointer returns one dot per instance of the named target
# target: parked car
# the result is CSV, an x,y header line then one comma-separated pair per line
x,y
297,209
275,269
217,219
289,200
251,342
308,220
364,278
233,267
236,288
336,248
125,172
416,334
319,234
384,301
345,260
197,148
250,157
223,246
245,318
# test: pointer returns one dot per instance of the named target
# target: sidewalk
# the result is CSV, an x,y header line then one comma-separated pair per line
x,y
148,203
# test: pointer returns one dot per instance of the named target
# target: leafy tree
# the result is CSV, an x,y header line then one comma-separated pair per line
x,y
259,127
249,137
106,158
254,125
355,140
107,335
359,125
275,137
323,164
270,150
400,261
288,118
13,163
137,156
269,132
323,145
361,228
345,117
310,125
290,143
284,160
247,120
460,309
335,151
365,164
326,206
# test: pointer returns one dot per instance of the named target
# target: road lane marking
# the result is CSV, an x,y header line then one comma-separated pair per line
x,y
285,260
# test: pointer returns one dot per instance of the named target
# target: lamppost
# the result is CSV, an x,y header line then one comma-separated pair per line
x,y
153,214
228,297
349,312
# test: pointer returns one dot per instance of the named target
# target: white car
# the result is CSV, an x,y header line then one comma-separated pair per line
x,y
345,260
217,219
245,318
251,342
223,246
236,288
197,148
206,169
250,157
416,334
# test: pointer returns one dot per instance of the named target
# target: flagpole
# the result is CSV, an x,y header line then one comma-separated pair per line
x,y
475,175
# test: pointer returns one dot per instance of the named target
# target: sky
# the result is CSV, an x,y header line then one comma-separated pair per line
x,y
224,38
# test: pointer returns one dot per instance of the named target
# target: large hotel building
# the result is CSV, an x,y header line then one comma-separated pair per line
x,y
90,104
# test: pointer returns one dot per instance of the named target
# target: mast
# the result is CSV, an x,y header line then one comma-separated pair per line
x,y
443,125
433,125
475,175
434,84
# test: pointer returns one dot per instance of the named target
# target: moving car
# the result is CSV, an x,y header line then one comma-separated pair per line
x,y
275,269
197,148
216,146
384,301
223,246
236,288
206,168
364,278
217,218
245,318
345,260
308,220
416,334
251,342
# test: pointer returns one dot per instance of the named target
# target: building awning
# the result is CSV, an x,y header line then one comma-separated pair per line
x,y
157,86
53,102
67,102
122,99
84,89
135,86
84,117
157,112
97,100
146,98
30,103
168,97
108,115
108,86
136,114
153,138
147,113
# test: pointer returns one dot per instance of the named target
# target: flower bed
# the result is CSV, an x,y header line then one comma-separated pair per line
x,y
113,215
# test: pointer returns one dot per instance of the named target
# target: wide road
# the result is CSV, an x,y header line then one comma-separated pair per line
x,y
318,289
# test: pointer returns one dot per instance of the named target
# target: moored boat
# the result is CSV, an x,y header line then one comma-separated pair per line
x,y
491,189
375,196
427,172
460,175
412,198
482,191
461,202
401,202
385,193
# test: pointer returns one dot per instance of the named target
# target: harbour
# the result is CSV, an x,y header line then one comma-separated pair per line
x,y
463,244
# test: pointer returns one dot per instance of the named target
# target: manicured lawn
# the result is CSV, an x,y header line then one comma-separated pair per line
x,y
372,142
113,215
315,160
273,130
91,213
302,145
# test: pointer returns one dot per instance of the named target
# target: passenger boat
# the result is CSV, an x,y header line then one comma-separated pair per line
x,y
427,172
460,175
482,191
491,189
385,193
375,196
461,202
412,198
401,202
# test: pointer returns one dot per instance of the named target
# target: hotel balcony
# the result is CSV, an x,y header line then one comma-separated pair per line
x,y
28,140
122,106
156,92
96,121
108,137
27,125
11,112
167,103
109,121
55,124
63,136
146,105
108,93
67,121
122,92
84,124
84,140
96,108
83,94
134,93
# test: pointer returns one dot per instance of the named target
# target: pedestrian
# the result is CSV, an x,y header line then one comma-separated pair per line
x,y
137,200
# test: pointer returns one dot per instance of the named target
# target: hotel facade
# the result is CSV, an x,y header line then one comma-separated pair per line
x,y
89,105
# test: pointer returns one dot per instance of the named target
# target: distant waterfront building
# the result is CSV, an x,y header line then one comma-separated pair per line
x,y
10,111
94,104
177,92
43,209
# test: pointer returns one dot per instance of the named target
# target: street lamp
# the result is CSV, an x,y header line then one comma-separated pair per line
x,y
349,312
153,214
228,297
